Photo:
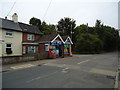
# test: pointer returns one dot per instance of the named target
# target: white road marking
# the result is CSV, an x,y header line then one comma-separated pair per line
x,y
92,70
65,69
83,61
37,78
22,66
45,64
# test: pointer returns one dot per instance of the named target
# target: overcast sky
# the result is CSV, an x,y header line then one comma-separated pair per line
x,y
83,11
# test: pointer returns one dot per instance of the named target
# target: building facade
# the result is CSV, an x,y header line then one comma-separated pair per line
x,y
55,45
30,37
11,38
24,40
12,43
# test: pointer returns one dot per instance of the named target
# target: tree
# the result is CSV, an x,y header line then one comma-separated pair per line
x,y
98,23
66,26
36,22
43,27
118,43
88,43
108,37
47,29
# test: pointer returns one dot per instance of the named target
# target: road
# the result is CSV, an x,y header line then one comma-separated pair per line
x,y
79,71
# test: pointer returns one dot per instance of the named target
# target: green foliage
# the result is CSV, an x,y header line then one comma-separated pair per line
x,y
88,43
43,27
36,22
48,29
95,39
98,23
66,26
86,39
109,37
118,44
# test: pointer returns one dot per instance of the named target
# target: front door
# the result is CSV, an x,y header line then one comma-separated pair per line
x,y
60,50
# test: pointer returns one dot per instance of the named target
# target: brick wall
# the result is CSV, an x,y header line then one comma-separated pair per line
x,y
42,48
24,37
24,58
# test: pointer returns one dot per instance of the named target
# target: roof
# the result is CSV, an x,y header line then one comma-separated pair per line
x,y
48,38
8,24
69,40
18,26
29,28
64,37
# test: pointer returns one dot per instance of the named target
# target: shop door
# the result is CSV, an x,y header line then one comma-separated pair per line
x,y
60,50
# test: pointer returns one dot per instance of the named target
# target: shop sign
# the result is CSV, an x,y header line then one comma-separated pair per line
x,y
66,43
55,52
52,47
56,43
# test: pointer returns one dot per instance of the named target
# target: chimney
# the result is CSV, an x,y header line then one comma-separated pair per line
x,y
5,17
15,17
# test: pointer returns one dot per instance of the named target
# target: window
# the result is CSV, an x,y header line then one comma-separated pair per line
x,y
30,37
9,34
46,47
9,48
32,49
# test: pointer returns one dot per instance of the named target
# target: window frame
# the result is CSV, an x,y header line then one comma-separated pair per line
x,y
47,49
9,47
10,44
9,35
35,49
31,37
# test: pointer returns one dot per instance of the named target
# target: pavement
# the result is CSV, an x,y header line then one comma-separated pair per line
x,y
28,64
79,71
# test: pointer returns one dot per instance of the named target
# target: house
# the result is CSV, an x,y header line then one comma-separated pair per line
x,y
24,42
55,45
10,38
30,37
52,44
67,45
18,39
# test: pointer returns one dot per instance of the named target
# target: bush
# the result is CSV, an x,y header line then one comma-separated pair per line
x,y
88,43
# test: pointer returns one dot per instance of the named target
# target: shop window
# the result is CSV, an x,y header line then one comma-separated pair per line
x,y
9,48
32,49
66,49
46,47
9,34
30,37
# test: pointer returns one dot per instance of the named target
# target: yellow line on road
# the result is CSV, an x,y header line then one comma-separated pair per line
x,y
22,66
103,72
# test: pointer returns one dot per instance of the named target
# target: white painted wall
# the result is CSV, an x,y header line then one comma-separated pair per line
x,y
16,42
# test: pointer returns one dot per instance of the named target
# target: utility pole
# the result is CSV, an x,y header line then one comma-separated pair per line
x,y
87,29
71,32
87,37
